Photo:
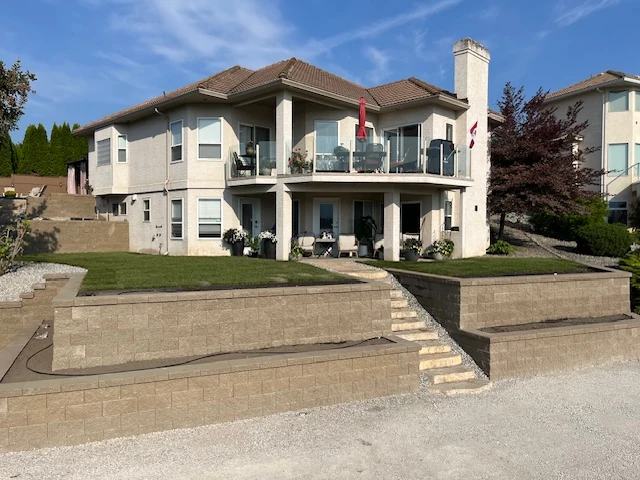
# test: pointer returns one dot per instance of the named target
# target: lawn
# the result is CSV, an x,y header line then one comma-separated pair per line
x,y
131,271
488,266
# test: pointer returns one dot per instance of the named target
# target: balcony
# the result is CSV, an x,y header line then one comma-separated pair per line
x,y
261,163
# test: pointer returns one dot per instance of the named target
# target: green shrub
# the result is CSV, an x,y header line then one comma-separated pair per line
x,y
564,227
501,248
631,263
604,240
10,194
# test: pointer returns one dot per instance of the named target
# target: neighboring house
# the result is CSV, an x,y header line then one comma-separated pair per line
x,y
178,170
611,104
77,177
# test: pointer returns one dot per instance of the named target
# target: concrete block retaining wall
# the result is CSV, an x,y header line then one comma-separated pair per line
x,y
116,329
69,411
69,236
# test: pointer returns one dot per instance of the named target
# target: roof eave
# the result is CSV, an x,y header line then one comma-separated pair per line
x,y
611,83
437,99
143,112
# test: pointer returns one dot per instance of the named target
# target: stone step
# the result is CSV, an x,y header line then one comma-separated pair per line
x,y
400,327
421,334
367,274
429,347
475,385
403,313
27,295
439,360
39,286
396,294
458,373
401,303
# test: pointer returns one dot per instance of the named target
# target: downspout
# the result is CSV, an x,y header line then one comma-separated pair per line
x,y
602,145
166,181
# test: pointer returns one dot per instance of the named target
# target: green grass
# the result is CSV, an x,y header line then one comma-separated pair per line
x,y
131,271
488,266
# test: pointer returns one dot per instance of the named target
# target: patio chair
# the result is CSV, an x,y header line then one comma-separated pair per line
x,y
347,244
374,154
378,243
433,157
244,164
307,242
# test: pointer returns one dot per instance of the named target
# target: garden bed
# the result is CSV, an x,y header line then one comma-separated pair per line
x,y
131,271
561,322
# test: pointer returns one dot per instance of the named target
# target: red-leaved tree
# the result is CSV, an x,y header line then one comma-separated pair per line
x,y
536,166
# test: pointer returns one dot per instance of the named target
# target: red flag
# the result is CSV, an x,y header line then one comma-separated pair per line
x,y
362,132
473,131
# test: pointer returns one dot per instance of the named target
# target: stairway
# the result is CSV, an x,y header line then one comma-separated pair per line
x,y
443,368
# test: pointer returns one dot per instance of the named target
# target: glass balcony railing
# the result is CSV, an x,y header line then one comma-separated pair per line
x,y
250,162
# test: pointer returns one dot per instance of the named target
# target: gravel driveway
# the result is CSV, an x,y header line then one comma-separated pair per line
x,y
579,425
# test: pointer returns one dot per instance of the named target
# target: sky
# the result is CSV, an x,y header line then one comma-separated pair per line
x,y
95,57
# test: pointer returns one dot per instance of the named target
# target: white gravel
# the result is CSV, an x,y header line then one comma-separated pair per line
x,y
577,425
24,274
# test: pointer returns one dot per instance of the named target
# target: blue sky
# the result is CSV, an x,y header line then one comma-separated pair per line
x,y
94,57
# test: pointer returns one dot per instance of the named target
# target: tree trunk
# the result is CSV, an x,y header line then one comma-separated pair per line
x,y
503,216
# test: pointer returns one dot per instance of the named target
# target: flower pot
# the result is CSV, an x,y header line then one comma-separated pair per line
x,y
411,255
438,256
237,249
269,249
265,171
363,250
249,151
381,256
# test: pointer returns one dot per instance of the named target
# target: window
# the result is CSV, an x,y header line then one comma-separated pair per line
x,y
146,210
449,132
119,208
176,141
326,137
448,214
209,218
104,152
295,219
618,159
177,226
618,212
209,138
404,145
637,101
362,146
122,149
618,101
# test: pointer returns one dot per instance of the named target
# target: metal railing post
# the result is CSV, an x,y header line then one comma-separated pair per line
x,y
424,157
388,157
257,159
441,159
350,156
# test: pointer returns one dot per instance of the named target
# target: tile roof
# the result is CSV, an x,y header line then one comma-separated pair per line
x,y
237,79
592,82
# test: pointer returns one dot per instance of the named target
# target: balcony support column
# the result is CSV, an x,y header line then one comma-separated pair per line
x,y
284,211
392,226
284,131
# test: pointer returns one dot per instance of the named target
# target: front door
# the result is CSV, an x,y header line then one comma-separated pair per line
x,y
326,216
250,215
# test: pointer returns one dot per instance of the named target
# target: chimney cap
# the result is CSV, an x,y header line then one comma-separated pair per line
x,y
469,44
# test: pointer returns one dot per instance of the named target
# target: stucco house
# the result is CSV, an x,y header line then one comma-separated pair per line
x,y
178,169
611,104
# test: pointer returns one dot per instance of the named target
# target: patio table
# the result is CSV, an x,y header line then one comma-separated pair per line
x,y
326,246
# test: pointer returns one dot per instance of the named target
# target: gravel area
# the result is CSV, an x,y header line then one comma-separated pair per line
x,y
577,425
24,274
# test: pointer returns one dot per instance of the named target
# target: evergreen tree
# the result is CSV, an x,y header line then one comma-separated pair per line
x,y
35,151
80,146
57,153
17,155
533,159
6,155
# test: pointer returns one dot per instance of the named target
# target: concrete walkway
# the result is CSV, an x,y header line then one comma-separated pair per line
x,y
578,425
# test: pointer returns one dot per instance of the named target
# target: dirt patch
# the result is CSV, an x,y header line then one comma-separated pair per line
x,y
34,362
563,322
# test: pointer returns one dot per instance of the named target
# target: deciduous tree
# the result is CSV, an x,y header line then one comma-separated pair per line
x,y
15,86
536,166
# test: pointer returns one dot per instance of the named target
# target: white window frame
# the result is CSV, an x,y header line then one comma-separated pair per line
x,y
103,141
617,173
221,120
618,209
618,91
146,210
363,210
121,210
221,223
315,138
181,144
181,222
126,148
637,100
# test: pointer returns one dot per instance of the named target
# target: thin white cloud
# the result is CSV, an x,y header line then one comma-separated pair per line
x,y
380,61
568,15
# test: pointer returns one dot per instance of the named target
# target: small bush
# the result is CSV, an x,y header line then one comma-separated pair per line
x,y
604,240
565,227
501,248
10,194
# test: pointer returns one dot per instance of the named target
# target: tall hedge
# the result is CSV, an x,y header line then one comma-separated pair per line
x,y
565,227
604,240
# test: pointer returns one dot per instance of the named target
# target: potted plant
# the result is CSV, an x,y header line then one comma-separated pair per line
x,y
254,246
412,249
381,253
296,252
268,240
298,162
10,194
365,231
266,166
249,150
236,238
441,249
